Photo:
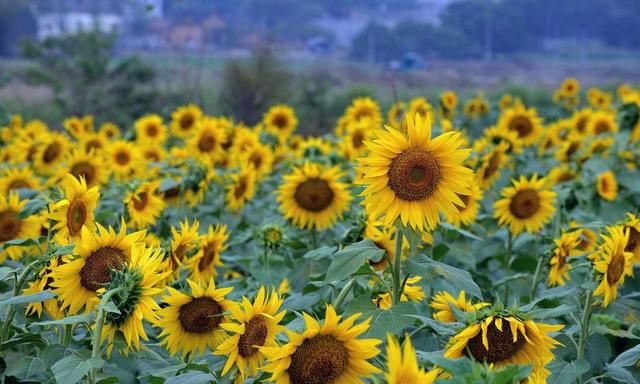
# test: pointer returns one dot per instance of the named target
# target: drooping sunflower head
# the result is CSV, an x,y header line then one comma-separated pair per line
x,y
527,205
184,120
632,224
364,108
327,353
15,178
607,186
251,327
203,264
402,364
144,204
13,227
241,189
566,246
313,197
443,301
98,253
150,128
502,340
280,121
613,263
185,242
75,210
524,121
190,322
492,162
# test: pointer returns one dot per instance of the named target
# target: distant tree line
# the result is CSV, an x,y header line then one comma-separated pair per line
x,y
477,28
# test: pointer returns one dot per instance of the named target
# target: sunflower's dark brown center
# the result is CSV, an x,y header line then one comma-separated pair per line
x,y
9,225
152,130
585,241
615,269
465,200
604,184
492,166
241,188
319,360
280,121
93,144
255,333
634,240
200,315
17,184
97,269
52,152
141,200
76,216
501,345
363,112
83,169
525,204
357,139
206,143
563,253
581,124
569,87
572,148
210,253
414,174
522,125
314,195
172,193
565,176
256,160
122,157
602,127
152,155
186,122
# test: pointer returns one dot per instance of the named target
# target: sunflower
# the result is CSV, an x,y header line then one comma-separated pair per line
x,y
77,281
313,146
527,205
251,327
206,143
40,284
607,186
358,132
403,366
150,129
396,113
566,246
599,146
280,121
75,210
568,150
420,106
203,264
78,127
412,292
599,99
185,241
93,143
580,121
312,197
570,87
561,174
416,177
124,158
382,239
449,100
498,134
152,153
613,263
109,130
491,164
524,121
505,102
602,122
141,279
191,322
16,178
468,211
144,205
241,189
327,353
86,165
184,120
50,152
259,158
364,108
443,301
505,340
632,224
12,227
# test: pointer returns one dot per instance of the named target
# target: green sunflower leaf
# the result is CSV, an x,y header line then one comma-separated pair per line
x,y
349,259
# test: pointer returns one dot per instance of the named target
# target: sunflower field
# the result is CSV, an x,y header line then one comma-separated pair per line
x,y
449,241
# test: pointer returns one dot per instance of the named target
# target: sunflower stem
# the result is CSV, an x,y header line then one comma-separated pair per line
x,y
536,278
396,273
343,293
584,327
507,267
67,334
97,333
11,311
314,238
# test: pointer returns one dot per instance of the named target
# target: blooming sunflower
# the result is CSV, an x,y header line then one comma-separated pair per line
x,y
144,204
498,134
86,165
602,122
396,113
570,87
403,366
40,284
524,121
443,301
202,265
561,174
50,153
141,279
632,224
566,246
312,197
241,189
364,108
251,326
327,353
416,177
124,158
184,120
280,121
93,143
12,227
77,127
412,292
259,158
184,242
419,105
500,341
580,121
468,211
15,178
75,210
357,133
607,186
449,100
109,130
527,205
206,143
313,146
78,280
191,322
613,263
491,164
150,129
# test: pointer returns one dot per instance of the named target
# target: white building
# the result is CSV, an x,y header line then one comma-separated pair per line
x,y
58,24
